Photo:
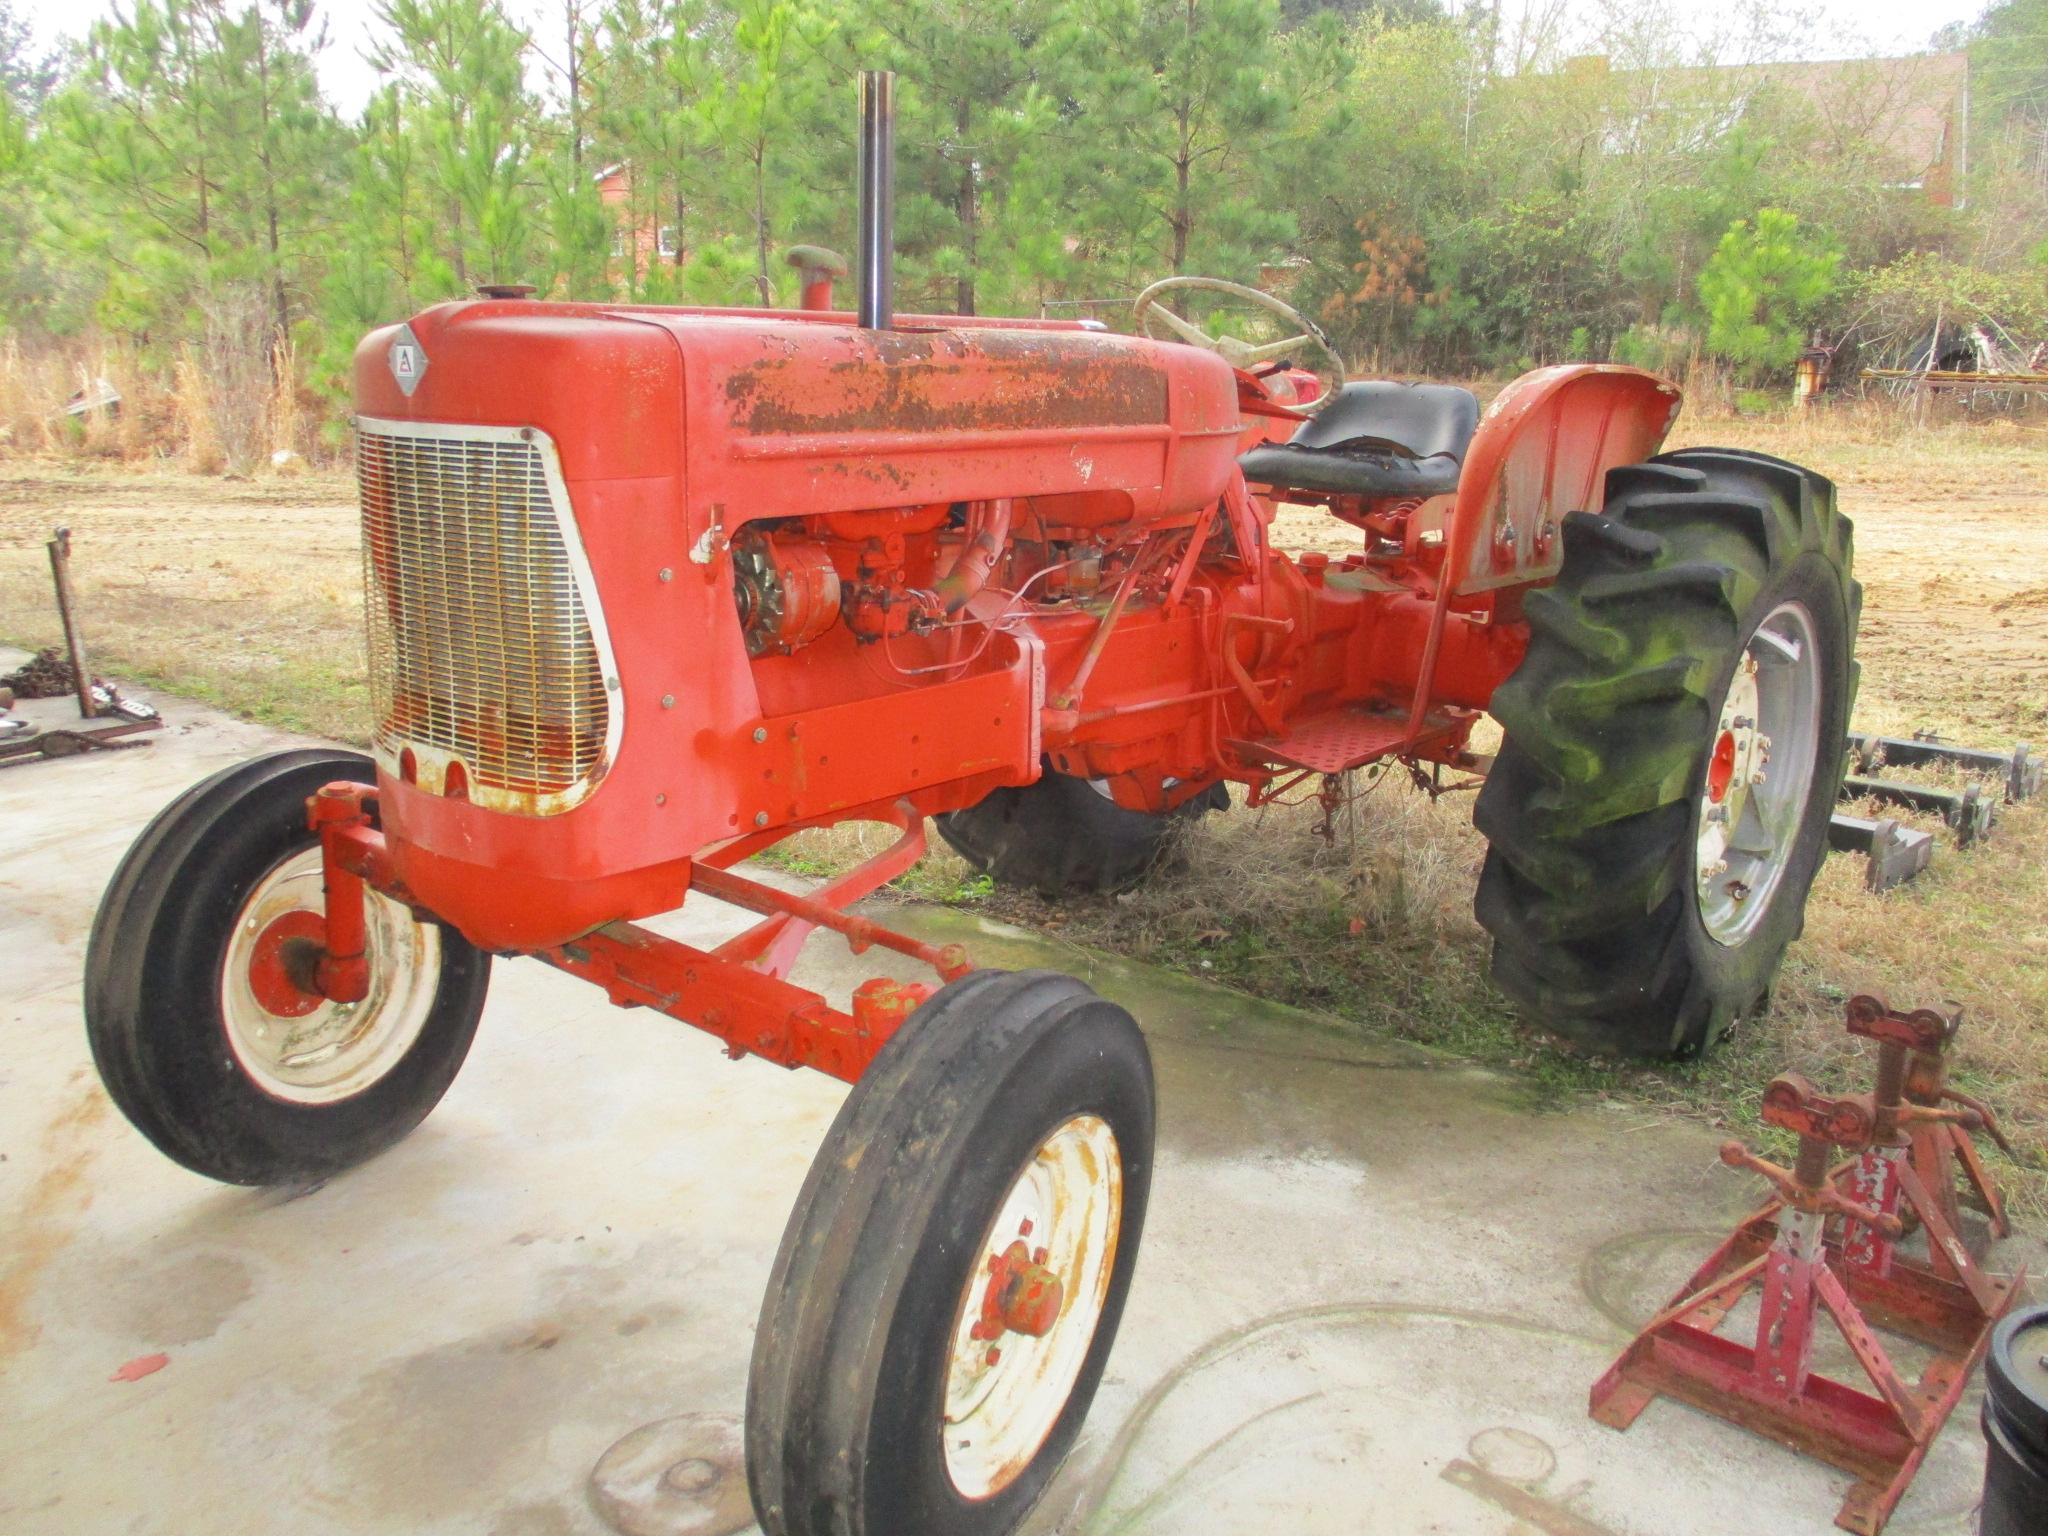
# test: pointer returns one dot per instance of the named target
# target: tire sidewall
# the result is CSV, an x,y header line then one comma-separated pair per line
x,y
907,1485
224,1124
1746,969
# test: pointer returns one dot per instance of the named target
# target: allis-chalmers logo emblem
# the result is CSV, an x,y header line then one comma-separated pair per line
x,y
408,360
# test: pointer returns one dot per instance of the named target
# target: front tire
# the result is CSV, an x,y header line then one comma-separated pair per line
x,y
951,1279
199,1032
1672,747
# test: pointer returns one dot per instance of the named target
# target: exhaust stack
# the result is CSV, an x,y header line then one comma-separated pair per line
x,y
875,168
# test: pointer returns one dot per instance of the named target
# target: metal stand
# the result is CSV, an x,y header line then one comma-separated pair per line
x,y
2018,771
67,614
1902,1177
1898,853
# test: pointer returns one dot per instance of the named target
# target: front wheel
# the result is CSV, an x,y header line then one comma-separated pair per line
x,y
951,1280
197,1004
1672,744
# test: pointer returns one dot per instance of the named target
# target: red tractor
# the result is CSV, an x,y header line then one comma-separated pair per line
x,y
651,589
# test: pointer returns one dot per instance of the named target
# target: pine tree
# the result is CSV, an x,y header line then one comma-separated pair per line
x,y
645,125
757,77
976,132
459,68
1184,105
574,256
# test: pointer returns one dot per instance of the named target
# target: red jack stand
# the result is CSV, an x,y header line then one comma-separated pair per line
x,y
1947,1303
1912,1090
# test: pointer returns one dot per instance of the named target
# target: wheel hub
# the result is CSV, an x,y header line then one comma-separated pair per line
x,y
1751,809
1029,1314
294,1042
1023,1296
282,969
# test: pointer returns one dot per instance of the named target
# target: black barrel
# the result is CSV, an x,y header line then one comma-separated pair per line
x,y
2016,1427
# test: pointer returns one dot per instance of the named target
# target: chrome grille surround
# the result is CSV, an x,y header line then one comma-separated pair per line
x,y
487,644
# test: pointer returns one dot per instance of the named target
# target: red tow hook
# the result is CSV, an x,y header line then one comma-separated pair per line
x,y
343,971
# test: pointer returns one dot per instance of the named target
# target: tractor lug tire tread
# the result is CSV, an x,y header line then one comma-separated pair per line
x,y
1588,890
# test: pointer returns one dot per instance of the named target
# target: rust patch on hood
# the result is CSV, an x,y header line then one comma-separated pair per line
x,y
947,381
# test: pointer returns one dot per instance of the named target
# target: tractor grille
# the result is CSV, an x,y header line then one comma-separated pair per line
x,y
482,649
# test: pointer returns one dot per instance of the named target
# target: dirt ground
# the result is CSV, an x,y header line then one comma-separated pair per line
x,y
248,595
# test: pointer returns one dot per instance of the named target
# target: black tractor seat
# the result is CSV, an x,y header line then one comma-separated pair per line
x,y
1376,438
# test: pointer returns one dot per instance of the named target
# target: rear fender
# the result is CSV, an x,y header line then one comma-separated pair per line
x,y
1544,449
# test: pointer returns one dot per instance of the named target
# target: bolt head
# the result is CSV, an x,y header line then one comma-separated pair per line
x,y
760,818
760,733
668,701
667,574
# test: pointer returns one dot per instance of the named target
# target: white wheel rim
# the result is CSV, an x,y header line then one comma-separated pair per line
x,y
1760,774
1003,1395
338,1049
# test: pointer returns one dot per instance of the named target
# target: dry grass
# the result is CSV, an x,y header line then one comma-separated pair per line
x,y
248,595
224,406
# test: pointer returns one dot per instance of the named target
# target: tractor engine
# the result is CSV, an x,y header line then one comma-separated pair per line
x,y
644,580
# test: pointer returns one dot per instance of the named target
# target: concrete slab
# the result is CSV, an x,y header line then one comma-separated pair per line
x,y
1375,1288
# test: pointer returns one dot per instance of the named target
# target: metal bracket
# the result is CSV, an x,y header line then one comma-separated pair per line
x,y
2019,772
1896,853
1970,813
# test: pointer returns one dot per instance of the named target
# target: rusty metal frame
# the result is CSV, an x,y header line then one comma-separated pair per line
x,y
737,992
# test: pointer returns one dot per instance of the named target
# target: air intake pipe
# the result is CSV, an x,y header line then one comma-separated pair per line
x,y
875,177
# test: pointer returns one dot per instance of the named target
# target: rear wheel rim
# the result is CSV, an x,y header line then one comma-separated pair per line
x,y
320,1051
1005,1393
1760,775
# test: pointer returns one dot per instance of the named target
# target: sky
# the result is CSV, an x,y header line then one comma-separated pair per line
x,y
1842,27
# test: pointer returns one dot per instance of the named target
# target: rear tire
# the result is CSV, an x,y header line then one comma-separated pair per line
x,y
191,1048
1062,836
1670,636
879,1402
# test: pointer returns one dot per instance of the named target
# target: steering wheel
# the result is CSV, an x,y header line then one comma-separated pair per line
x,y
1238,353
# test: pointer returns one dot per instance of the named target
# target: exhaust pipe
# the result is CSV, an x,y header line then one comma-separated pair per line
x,y
875,176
